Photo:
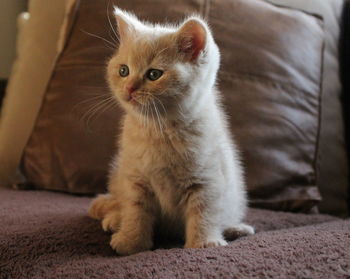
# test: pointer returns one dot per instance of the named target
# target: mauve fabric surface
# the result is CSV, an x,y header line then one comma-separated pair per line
x,y
48,235
271,89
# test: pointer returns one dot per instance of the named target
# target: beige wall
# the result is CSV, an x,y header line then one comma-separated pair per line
x,y
9,9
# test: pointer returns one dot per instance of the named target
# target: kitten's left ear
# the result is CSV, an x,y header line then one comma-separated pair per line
x,y
191,38
127,23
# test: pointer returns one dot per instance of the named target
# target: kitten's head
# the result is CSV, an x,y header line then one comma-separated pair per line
x,y
159,69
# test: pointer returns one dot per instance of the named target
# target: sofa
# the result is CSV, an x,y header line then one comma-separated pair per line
x,y
45,231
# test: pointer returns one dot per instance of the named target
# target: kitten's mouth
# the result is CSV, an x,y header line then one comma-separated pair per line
x,y
134,100
131,99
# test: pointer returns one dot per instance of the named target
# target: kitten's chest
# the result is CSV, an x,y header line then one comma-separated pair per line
x,y
170,156
171,173
168,162
168,165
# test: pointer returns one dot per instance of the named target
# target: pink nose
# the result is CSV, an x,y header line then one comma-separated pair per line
x,y
131,88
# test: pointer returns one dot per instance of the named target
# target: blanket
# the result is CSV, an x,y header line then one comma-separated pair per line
x,y
49,235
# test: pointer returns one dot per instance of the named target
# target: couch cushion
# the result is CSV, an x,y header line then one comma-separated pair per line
x,y
333,163
271,92
345,69
48,235
37,49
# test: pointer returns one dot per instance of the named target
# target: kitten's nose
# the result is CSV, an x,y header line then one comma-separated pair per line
x,y
131,88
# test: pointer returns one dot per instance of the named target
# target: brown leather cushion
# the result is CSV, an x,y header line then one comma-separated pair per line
x,y
345,67
270,79
333,164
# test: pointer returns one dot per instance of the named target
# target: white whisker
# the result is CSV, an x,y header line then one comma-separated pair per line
x,y
95,108
158,119
110,24
160,102
92,111
112,45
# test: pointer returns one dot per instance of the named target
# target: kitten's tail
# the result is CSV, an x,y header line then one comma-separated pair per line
x,y
237,231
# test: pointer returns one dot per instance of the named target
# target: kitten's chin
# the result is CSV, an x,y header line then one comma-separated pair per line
x,y
132,102
132,106
128,103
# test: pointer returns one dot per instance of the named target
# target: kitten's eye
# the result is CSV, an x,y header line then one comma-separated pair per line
x,y
154,74
123,71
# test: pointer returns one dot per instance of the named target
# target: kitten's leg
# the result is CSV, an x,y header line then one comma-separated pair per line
x,y
202,226
138,215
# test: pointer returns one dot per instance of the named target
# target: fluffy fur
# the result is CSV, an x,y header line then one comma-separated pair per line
x,y
177,164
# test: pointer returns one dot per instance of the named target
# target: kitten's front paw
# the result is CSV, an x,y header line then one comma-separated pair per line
x,y
206,244
100,206
127,245
111,221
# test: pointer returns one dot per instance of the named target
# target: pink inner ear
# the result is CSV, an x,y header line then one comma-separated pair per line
x,y
193,40
122,27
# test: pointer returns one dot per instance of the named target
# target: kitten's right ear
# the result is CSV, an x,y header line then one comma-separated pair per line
x,y
127,23
192,37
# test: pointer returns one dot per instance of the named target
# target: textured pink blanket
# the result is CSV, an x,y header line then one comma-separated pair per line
x,y
48,235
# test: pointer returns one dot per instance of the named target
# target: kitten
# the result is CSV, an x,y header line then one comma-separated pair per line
x,y
177,164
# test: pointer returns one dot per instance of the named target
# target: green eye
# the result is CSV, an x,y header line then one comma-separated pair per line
x,y
123,71
154,74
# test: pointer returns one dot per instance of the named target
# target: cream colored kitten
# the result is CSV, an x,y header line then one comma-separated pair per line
x,y
177,164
